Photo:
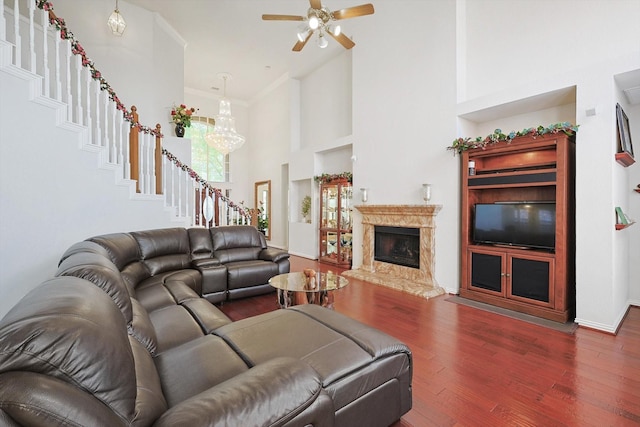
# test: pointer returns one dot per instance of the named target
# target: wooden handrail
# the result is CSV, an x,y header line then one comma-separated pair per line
x,y
134,158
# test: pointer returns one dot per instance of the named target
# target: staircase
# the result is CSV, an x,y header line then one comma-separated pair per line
x,y
74,161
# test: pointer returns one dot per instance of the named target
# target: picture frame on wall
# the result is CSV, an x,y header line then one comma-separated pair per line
x,y
624,134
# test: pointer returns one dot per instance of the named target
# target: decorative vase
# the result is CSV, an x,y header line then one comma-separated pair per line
x,y
179,130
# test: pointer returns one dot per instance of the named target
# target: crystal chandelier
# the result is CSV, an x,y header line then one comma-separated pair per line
x,y
116,22
224,137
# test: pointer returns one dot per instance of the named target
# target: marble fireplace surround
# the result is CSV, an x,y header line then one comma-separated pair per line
x,y
420,282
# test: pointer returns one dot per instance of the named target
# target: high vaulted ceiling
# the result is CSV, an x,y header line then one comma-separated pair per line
x,y
229,36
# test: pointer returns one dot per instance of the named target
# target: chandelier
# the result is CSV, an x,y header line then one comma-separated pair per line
x,y
116,22
224,137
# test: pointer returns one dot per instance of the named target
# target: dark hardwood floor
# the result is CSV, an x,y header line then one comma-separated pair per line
x,y
474,368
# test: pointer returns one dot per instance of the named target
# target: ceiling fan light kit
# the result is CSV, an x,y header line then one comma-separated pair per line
x,y
320,19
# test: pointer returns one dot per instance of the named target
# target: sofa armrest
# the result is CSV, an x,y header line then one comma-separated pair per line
x,y
214,278
269,394
33,399
205,263
273,255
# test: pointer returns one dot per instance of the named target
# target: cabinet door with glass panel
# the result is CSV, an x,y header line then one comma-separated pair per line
x,y
335,222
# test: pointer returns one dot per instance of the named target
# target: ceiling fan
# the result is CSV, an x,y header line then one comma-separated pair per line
x,y
321,19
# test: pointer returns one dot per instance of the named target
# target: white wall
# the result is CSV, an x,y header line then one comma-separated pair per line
x,y
516,41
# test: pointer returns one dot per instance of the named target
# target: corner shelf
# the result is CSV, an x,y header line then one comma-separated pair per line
x,y
625,159
623,226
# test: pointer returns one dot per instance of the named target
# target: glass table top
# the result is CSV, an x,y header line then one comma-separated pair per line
x,y
300,282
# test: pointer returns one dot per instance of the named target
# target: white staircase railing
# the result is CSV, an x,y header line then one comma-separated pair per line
x,y
44,47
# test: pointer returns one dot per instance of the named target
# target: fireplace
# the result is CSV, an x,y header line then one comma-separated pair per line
x,y
397,245
398,248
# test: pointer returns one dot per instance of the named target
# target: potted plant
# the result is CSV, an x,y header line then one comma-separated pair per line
x,y
181,117
263,221
306,208
261,217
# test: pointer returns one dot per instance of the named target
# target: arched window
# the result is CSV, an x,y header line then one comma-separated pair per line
x,y
206,161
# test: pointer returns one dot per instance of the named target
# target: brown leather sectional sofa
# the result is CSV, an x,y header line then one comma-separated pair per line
x,y
123,336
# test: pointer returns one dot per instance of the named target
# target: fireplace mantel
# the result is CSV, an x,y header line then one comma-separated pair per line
x,y
421,281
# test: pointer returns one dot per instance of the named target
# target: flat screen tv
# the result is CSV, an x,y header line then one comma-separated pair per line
x,y
521,224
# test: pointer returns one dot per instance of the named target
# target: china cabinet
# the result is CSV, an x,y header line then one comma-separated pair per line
x,y
335,222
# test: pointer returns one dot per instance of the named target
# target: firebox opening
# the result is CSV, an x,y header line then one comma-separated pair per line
x,y
397,245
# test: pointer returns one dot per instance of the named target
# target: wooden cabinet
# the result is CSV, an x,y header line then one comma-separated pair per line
x,y
336,222
540,282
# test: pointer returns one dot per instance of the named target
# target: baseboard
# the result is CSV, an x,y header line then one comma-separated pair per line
x,y
612,328
307,256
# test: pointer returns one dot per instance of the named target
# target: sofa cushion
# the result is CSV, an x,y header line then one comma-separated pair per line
x,y
165,249
102,273
208,316
195,366
34,399
237,243
125,253
201,245
280,392
174,326
83,247
76,334
142,329
244,274
368,358
169,288
122,248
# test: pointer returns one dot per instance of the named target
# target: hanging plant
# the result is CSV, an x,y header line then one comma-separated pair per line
x,y
462,144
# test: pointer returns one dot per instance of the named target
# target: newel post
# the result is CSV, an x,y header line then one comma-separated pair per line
x,y
134,158
158,159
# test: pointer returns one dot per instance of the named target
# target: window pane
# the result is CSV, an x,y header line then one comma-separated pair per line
x,y
206,161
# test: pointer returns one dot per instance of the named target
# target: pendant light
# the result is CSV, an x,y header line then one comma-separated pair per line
x,y
116,22
224,137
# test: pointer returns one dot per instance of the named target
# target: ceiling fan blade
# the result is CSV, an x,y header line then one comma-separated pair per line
x,y
282,18
299,45
315,4
343,40
352,12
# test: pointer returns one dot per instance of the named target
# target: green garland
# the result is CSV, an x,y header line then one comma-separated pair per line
x,y
326,178
462,144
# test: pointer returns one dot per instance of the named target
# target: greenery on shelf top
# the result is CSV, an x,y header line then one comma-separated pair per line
x,y
462,144
326,177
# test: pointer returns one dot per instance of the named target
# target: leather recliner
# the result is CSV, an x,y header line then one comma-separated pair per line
x,y
122,336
